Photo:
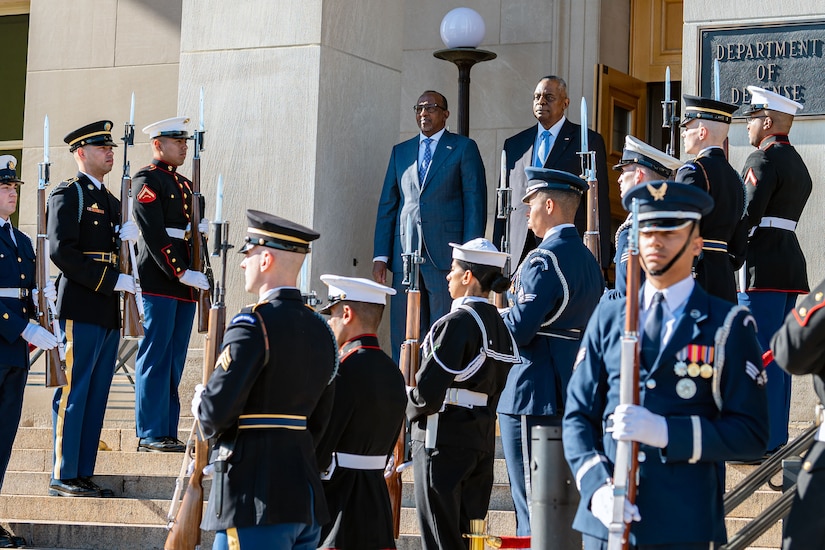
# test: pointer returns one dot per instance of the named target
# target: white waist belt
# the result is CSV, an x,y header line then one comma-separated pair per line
x,y
465,398
20,293
360,462
176,233
779,223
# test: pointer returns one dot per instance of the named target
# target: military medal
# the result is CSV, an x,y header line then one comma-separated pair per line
x,y
706,371
686,388
693,367
680,368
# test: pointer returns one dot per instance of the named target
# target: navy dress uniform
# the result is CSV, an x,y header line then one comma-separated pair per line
x,y
638,152
703,389
799,348
366,417
778,185
466,356
267,405
84,230
163,213
554,291
17,280
722,230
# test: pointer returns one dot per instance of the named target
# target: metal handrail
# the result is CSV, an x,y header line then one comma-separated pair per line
x,y
762,522
767,470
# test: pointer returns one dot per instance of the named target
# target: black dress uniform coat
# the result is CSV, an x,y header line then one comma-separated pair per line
x,y
712,418
711,172
799,348
366,418
164,200
454,480
85,287
17,270
778,185
278,358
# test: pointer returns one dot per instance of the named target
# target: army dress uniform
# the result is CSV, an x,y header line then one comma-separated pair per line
x,y
722,230
465,359
799,348
83,222
706,381
554,291
163,213
778,185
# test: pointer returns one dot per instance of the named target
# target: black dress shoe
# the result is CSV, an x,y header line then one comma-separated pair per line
x,y
101,491
71,488
160,445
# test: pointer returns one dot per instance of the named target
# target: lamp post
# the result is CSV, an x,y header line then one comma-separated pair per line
x,y
462,30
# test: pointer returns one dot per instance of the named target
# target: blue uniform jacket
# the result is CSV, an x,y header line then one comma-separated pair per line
x,y
555,289
16,271
681,486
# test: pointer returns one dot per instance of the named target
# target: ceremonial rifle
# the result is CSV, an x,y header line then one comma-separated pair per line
x,y
132,320
504,207
184,526
670,121
198,242
588,158
410,360
46,309
625,471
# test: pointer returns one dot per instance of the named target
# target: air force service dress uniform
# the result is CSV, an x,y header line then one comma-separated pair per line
x,y
465,359
554,291
778,185
267,404
722,230
799,348
366,417
83,224
163,213
706,381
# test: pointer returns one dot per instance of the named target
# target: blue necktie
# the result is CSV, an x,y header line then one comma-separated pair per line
x,y
653,331
544,148
425,164
7,229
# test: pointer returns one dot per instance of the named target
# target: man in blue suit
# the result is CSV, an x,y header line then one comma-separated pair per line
x,y
702,397
557,149
434,193
17,280
554,291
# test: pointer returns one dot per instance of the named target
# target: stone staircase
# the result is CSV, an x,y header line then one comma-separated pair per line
x,y
143,484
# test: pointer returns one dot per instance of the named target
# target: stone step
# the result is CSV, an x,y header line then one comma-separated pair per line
x,y
123,486
108,463
772,538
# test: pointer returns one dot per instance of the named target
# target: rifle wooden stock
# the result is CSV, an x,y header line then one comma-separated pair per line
x,y
198,248
591,235
409,363
55,366
185,533
626,467
131,325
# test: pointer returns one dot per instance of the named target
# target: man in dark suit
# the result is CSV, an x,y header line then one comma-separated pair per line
x,y
702,396
85,231
554,291
434,193
17,280
556,149
778,185
268,401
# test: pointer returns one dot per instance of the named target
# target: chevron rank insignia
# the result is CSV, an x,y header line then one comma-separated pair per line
x,y
146,195
224,359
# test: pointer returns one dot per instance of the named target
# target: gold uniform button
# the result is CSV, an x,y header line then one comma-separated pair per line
x,y
177,269
174,260
803,311
24,310
171,196
5,316
186,207
95,222
818,296
807,466
22,276
19,260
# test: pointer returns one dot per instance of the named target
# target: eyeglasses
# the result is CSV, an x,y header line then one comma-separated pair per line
x,y
429,107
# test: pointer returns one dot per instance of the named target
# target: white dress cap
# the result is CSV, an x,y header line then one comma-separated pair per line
x,y
175,127
766,99
479,251
355,289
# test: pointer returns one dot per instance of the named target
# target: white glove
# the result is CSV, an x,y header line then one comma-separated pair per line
x,y
129,232
196,399
208,470
203,226
636,423
389,469
125,283
50,292
601,505
38,336
195,279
